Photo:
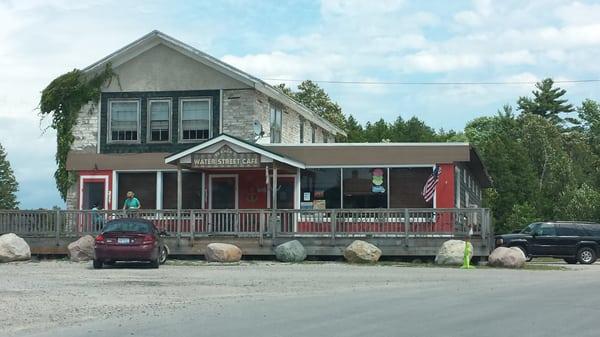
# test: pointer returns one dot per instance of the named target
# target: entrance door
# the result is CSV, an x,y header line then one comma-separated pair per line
x,y
93,195
223,193
285,192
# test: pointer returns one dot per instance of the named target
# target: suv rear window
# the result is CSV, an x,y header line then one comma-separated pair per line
x,y
126,226
569,230
591,229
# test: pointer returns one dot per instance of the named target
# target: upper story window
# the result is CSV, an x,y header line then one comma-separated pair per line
x,y
276,115
159,120
301,130
194,119
124,121
325,138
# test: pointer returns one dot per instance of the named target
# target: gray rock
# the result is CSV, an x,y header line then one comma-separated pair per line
x,y
13,248
362,252
291,251
82,249
452,253
507,258
222,252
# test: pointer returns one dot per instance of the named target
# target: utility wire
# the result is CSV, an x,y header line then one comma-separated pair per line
x,y
430,83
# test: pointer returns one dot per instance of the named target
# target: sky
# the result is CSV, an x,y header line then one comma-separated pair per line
x,y
329,40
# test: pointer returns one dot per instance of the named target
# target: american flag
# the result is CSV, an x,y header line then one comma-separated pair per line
x,y
431,183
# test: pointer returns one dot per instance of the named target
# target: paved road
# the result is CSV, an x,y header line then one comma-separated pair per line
x,y
483,303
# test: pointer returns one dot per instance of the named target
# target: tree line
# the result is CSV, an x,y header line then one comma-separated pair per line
x,y
543,156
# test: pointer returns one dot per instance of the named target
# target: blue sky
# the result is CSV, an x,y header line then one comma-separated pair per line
x,y
423,41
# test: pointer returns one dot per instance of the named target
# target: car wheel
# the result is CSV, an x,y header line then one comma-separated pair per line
x,y
97,264
571,260
154,264
586,255
162,256
528,258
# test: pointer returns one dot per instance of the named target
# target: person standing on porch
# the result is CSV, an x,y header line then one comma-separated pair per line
x,y
131,202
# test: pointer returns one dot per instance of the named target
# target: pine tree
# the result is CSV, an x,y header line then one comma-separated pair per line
x,y
8,183
354,131
546,102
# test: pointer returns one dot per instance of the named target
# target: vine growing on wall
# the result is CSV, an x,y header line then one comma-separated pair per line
x,y
62,100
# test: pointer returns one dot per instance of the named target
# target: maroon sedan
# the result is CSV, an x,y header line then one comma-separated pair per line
x,y
129,240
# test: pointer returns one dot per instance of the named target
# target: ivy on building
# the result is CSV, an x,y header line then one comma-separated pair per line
x,y
62,100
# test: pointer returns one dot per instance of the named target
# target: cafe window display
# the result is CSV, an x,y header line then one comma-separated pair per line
x,y
365,188
320,189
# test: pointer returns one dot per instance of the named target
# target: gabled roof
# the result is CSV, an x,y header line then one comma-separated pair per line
x,y
156,37
239,142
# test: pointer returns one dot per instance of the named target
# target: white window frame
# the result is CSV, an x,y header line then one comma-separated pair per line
x,y
109,139
149,120
210,121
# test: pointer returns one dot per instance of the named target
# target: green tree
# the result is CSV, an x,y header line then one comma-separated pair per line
x,y
377,132
8,183
498,140
547,102
581,203
519,216
354,131
315,98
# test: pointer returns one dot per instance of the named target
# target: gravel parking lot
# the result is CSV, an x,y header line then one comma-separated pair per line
x,y
38,297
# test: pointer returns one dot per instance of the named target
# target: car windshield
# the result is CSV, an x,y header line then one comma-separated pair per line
x,y
529,229
122,226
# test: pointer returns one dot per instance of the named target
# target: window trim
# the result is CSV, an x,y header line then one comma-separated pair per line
x,y
180,117
109,139
149,120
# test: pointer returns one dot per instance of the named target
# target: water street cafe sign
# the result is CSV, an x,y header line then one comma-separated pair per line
x,y
225,157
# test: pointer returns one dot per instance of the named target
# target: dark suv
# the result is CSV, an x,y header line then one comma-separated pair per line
x,y
571,241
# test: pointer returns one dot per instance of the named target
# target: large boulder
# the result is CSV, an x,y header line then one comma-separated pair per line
x,y
507,258
362,252
452,253
291,251
222,252
13,248
82,249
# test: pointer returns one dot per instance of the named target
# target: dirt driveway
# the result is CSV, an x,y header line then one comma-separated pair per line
x,y
36,296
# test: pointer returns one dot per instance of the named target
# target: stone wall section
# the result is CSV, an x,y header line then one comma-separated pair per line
x,y
72,201
290,129
262,110
239,108
85,130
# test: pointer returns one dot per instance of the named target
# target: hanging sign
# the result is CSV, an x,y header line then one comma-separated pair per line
x,y
225,157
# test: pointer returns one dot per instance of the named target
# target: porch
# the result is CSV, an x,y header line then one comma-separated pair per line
x,y
398,232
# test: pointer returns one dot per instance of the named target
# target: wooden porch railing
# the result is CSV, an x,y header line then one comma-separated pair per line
x,y
261,223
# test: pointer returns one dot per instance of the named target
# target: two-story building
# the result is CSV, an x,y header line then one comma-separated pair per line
x,y
184,130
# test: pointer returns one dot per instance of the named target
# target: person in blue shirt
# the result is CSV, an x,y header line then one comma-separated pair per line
x,y
131,202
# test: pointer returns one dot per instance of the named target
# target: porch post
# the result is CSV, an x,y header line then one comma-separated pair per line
x,y
179,202
274,222
274,187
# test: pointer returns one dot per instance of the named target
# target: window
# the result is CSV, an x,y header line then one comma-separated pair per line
x,y
313,133
301,130
124,121
275,124
159,117
569,230
195,119
365,188
142,184
191,190
406,185
321,188
546,230
325,139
